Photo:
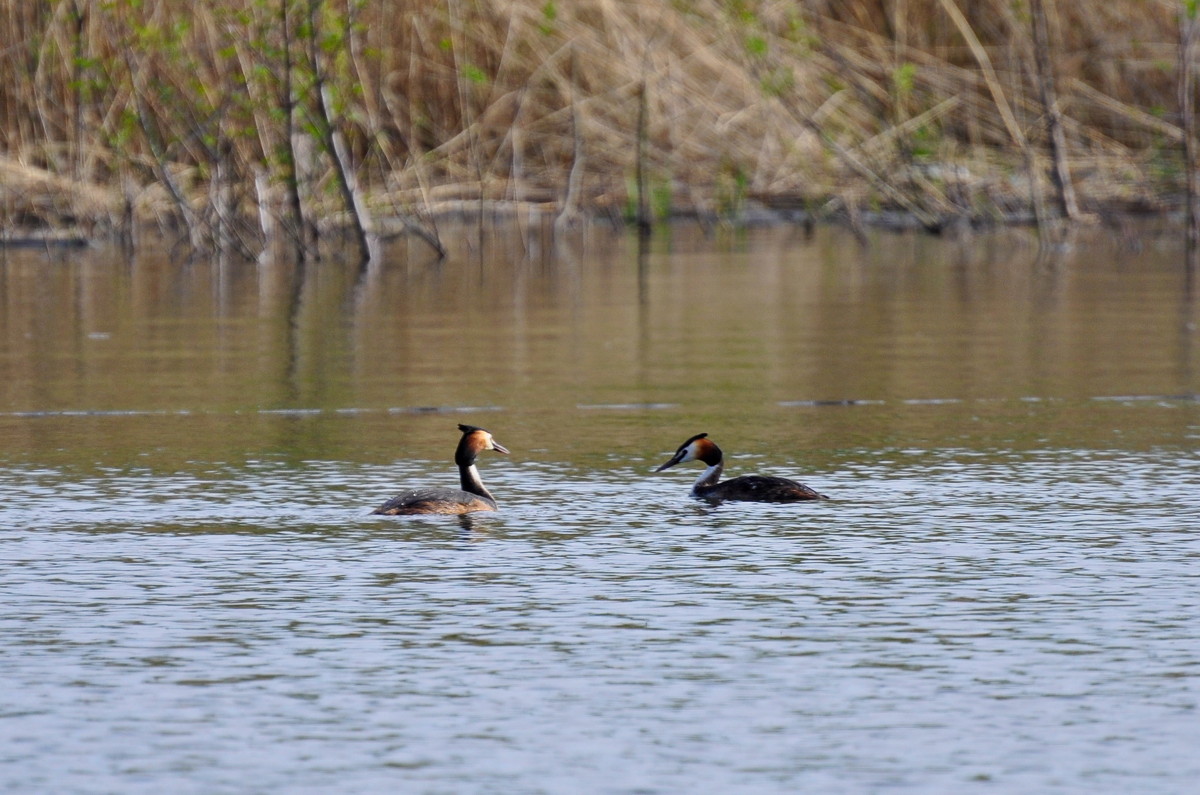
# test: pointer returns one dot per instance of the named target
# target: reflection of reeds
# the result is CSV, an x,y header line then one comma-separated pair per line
x,y
238,119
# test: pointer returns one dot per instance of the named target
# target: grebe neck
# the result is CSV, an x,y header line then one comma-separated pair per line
x,y
709,477
469,477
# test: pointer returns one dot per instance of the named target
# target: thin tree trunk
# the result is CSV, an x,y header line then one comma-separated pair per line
x,y
187,213
1186,97
995,88
1049,94
643,201
334,144
569,213
302,232
266,216
79,17
352,197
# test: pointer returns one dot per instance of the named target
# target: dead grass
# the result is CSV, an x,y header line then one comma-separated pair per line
x,y
204,113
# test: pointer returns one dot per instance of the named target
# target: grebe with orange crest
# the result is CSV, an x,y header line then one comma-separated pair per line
x,y
747,488
472,497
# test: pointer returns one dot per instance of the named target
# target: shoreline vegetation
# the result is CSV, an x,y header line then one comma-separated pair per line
x,y
234,125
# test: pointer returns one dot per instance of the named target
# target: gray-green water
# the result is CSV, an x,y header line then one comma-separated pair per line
x,y
1003,595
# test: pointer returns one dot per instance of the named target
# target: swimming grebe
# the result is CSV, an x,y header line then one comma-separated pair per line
x,y
470,498
750,488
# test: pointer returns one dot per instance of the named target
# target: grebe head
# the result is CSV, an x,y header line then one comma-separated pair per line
x,y
698,448
473,441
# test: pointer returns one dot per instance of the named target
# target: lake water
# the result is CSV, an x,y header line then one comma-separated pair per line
x,y
1002,595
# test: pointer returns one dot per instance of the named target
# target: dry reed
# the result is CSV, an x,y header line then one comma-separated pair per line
x,y
234,119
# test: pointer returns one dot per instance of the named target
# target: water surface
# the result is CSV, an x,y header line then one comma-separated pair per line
x,y
1001,595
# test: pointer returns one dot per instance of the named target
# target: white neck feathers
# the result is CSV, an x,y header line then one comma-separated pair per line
x,y
709,477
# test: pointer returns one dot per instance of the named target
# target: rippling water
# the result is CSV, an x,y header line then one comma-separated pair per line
x,y
1002,595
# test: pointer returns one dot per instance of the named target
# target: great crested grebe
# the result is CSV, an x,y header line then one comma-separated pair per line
x,y
470,498
749,488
